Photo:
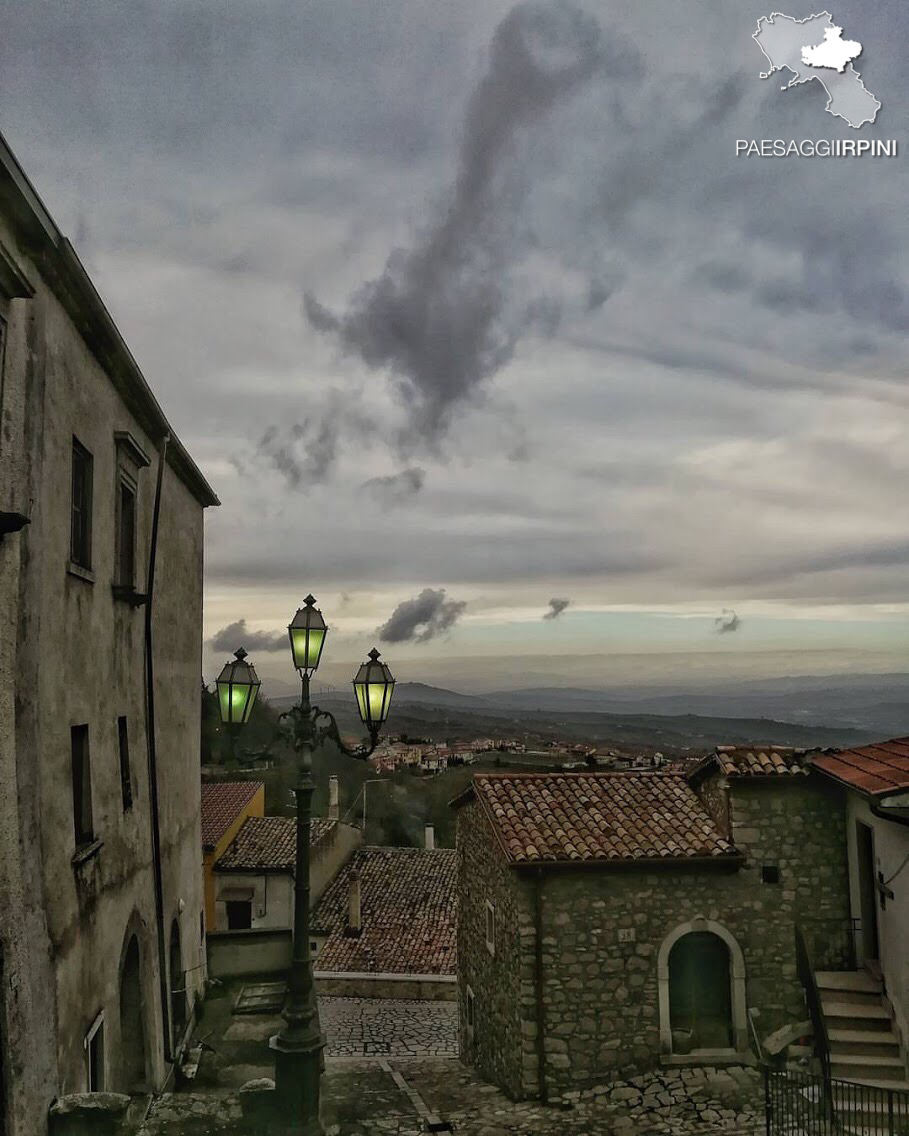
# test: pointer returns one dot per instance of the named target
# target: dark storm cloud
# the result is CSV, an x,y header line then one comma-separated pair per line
x,y
442,316
236,635
556,607
397,488
726,622
418,620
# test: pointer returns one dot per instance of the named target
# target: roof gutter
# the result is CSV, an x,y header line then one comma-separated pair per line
x,y
888,814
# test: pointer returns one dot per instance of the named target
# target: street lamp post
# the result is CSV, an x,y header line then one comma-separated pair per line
x,y
298,1046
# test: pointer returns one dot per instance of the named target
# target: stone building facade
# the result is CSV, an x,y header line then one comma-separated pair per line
x,y
613,922
100,879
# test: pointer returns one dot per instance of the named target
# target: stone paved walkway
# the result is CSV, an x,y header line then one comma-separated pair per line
x,y
365,1098
358,1027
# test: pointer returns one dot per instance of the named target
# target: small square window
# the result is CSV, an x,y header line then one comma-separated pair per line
x,y
770,874
490,928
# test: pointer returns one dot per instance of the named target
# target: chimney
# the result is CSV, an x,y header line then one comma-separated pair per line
x,y
430,837
333,797
354,907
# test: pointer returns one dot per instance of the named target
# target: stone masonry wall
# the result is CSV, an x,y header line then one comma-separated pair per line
x,y
495,1050
603,931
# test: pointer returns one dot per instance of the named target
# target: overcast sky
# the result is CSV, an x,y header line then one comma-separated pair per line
x,y
471,308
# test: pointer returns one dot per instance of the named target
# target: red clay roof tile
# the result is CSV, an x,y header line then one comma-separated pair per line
x,y
605,817
874,769
222,803
269,844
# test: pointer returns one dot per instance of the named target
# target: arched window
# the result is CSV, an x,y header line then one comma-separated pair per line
x,y
701,980
177,985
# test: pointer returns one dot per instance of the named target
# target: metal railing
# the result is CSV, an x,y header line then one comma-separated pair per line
x,y
831,942
808,1104
805,972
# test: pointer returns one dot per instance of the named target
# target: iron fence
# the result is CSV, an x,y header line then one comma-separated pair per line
x,y
806,1104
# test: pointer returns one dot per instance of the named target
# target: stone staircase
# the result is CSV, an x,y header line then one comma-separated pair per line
x,y
863,1050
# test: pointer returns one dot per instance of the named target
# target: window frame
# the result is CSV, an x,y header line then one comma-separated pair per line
x,y
490,930
125,579
88,1043
80,554
81,778
470,1013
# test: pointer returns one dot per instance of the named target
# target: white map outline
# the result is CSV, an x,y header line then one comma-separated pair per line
x,y
797,80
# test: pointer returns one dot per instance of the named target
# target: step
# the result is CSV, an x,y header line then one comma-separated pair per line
x,y
858,1010
864,1043
855,980
843,1095
849,1067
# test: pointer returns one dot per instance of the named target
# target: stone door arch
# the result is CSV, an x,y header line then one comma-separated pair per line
x,y
717,951
133,1073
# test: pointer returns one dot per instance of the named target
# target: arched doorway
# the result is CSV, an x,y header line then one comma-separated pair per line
x,y
177,985
132,1021
700,995
701,987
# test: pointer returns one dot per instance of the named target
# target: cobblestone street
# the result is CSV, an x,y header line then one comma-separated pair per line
x,y
401,1097
358,1027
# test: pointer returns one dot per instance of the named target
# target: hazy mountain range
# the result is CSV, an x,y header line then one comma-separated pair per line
x,y
798,710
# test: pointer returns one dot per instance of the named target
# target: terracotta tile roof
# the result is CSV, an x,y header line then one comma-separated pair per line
x,y
269,844
222,803
874,769
591,817
408,900
761,761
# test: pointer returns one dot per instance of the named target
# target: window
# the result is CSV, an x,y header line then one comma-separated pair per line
x,y
126,784
81,530
490,928
94,1055
239,914
469,1013
770,874
125,574
82,785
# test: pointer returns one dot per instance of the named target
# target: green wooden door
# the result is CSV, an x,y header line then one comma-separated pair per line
x,y
700,1003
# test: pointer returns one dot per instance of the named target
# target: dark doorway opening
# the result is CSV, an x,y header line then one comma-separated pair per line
x,y
177,985
864,845
700,993
239,914
132,1022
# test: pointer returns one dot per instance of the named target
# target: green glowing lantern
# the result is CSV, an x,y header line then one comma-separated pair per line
x,y
373,686
237,685
307,636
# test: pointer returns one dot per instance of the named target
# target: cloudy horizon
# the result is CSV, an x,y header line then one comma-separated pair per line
x,y
481,331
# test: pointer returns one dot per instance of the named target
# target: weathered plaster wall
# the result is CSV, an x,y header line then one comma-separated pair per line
x,y
78,658
891,848
27,1054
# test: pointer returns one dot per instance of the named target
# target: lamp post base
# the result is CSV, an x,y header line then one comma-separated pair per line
x,y
297,1085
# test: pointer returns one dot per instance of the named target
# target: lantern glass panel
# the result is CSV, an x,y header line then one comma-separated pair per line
x,y
306,644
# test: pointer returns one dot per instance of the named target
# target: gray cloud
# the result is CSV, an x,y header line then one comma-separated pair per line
x,y
444,316
236,635
426,617
556,607
726,622
398,488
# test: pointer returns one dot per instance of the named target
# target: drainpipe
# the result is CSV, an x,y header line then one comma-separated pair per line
x,y
153,759
538,982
